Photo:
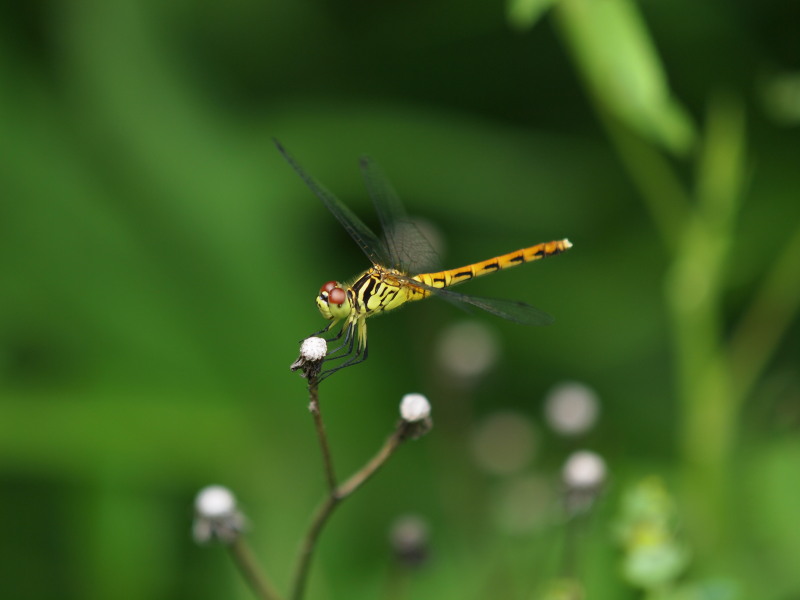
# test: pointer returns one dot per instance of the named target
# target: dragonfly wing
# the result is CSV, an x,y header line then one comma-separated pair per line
x,y
512,310
372,246
408,249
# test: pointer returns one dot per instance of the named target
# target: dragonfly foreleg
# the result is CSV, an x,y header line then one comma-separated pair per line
x,y
325,330
355,339
359,356
349,342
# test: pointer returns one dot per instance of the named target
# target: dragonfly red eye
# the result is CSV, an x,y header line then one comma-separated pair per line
x,y
337,295
327,286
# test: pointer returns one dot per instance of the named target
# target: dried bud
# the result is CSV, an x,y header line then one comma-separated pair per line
x,y
584,470
414,407
312,353
416,413
584,474
216,515
409,539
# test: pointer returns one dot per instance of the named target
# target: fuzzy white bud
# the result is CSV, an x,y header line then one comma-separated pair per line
x,y
313,348
214,501
584,470
216,515
414,408
312,353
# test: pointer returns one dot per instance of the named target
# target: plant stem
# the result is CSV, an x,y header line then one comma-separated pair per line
x,y
368,470
767,320
243,557
327,459
655,179
334,498
309,543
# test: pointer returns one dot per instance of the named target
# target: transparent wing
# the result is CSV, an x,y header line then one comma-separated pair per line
x,y
408,249
519,312
372,246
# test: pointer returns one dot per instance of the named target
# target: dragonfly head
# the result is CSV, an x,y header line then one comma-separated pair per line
x,y
332,301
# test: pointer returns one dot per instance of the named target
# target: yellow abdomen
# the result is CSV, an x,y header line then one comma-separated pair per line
x,y
444,279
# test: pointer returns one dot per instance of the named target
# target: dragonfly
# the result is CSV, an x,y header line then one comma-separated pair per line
x,y
402,259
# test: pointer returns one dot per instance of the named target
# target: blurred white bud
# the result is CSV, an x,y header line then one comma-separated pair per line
x,y
216,515
584,470
467,350
414,407
571,408
409,539
583,474
504,443
524,504
214,501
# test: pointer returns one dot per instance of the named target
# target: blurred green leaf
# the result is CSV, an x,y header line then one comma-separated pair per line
x,y
524,14
769,507
617,58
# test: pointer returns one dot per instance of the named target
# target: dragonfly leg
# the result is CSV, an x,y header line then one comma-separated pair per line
x,y
357,337
325,330
338,335
359,356
349,342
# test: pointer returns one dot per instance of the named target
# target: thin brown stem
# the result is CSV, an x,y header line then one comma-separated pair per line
x,y
368,470
243,557
309,543
327,459
335,497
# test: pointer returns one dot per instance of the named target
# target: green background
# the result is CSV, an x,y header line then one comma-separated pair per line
x,y
159,262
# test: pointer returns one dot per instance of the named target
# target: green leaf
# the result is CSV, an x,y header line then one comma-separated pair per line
x,y
523,14
617,59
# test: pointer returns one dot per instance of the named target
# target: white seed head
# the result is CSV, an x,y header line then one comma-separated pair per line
x,y
414,407
504,443
468,349
571,408
584,470
214,501
313,349
216,515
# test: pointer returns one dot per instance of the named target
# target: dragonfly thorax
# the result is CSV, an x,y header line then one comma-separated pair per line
x,y
333,301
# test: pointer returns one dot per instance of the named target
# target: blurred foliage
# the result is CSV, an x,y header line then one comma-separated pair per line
x,y
159,262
